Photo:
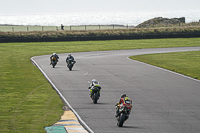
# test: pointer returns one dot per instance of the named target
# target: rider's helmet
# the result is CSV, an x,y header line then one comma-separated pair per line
x,y
93,80
123,95
69,54
54,53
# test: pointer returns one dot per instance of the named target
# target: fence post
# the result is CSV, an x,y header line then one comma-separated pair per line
x,y
27,28
113,26
42,28
99,27
13,29
127,26
70,27
85,27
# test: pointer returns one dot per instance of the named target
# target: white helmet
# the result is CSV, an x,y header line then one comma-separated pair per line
x,y
54,53
93,80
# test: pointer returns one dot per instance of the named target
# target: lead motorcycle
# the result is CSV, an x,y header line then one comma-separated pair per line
x,y
70,64
124,112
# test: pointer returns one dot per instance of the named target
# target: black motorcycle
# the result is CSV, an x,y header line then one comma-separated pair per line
x,y
95,94
70,64
124,112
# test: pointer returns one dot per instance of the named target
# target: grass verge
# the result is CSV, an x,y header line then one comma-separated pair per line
x,y
28,102
186,63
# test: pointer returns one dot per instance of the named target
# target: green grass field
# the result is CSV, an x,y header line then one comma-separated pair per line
x,y
187,63
28,102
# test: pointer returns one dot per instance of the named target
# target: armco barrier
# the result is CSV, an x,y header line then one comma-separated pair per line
x,y
93,38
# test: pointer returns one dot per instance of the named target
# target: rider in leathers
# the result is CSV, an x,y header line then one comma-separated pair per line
x,y
70,57
54,56
94,83
123,98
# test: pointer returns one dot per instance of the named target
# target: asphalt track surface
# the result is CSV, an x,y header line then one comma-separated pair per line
x,y
163,101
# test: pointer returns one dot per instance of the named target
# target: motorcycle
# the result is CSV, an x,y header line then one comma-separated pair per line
x,y
95,94
70,64
124,112
54,62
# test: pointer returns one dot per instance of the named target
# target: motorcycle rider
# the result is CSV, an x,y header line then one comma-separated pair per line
x,y
70,57
94,84
123,99
54,57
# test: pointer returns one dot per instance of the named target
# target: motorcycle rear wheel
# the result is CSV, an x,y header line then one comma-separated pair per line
x,y
70,67
54,64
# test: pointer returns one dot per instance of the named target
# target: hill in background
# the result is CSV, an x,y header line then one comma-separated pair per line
x,y
159,22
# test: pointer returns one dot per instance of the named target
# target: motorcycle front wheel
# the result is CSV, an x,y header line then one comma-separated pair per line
x,y
121,120
95,98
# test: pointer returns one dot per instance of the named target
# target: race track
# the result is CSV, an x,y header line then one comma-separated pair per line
x,y
163,101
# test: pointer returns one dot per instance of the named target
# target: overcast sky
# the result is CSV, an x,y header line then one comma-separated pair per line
x,y
12,7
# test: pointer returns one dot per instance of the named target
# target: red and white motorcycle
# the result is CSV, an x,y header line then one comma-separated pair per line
x,y
124,112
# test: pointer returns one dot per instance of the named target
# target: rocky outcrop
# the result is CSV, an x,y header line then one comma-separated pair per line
x,y
161,21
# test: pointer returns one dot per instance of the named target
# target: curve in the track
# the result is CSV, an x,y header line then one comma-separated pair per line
x,y
162,101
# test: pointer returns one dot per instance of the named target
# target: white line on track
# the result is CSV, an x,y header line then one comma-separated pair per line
x,y
79,118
